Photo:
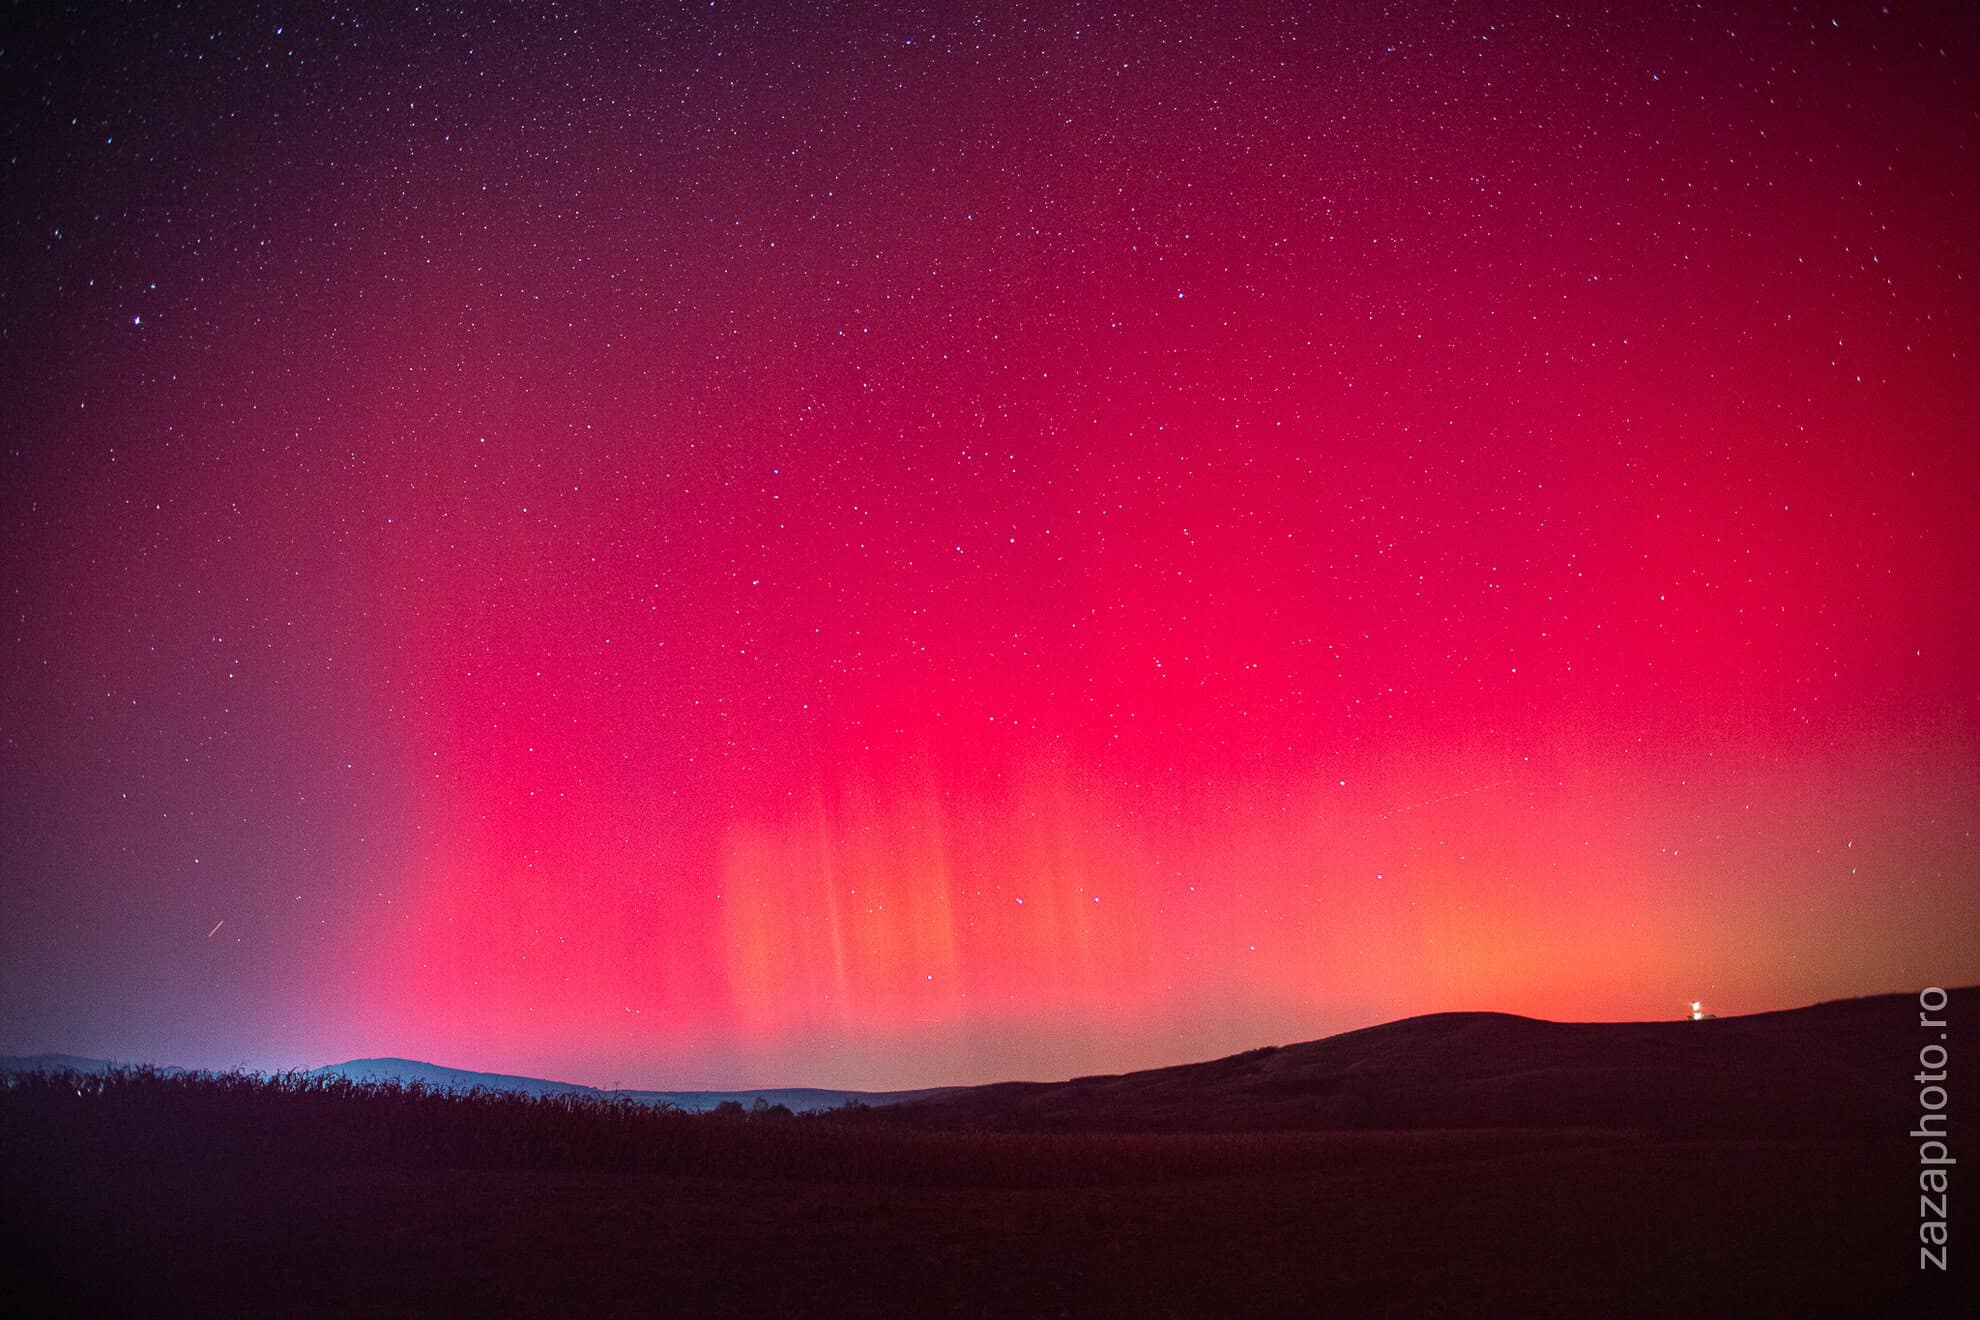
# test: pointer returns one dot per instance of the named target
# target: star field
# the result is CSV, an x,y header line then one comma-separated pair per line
x,y
886,547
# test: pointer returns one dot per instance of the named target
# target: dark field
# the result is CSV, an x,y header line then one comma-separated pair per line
x,y
221,1196
1422,1224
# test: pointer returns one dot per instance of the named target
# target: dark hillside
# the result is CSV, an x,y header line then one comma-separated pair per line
x,y
1836,1067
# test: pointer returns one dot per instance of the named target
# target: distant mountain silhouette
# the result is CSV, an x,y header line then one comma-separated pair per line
x,y
1839,1066
447,1079
799,1099
26,1063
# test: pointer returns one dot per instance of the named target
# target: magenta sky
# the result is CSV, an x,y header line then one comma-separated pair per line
x,y
877,549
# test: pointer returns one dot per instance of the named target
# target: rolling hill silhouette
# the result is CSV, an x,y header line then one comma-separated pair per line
x,y
1840,1066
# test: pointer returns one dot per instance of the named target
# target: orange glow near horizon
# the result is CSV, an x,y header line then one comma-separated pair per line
x,y
733,548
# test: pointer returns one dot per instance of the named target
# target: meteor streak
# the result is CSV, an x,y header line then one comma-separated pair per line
x,y
1431,802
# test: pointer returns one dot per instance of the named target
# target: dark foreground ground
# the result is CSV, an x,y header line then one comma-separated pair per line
x,y
1535,1223
1747,1167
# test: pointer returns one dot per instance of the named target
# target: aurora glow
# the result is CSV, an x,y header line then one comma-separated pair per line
x,y
756,545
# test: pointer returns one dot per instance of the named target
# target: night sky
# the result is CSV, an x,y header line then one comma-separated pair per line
x,y
823,545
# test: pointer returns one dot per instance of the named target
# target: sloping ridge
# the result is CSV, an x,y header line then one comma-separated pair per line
x,y
447,1079
800,1099
1841,1066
